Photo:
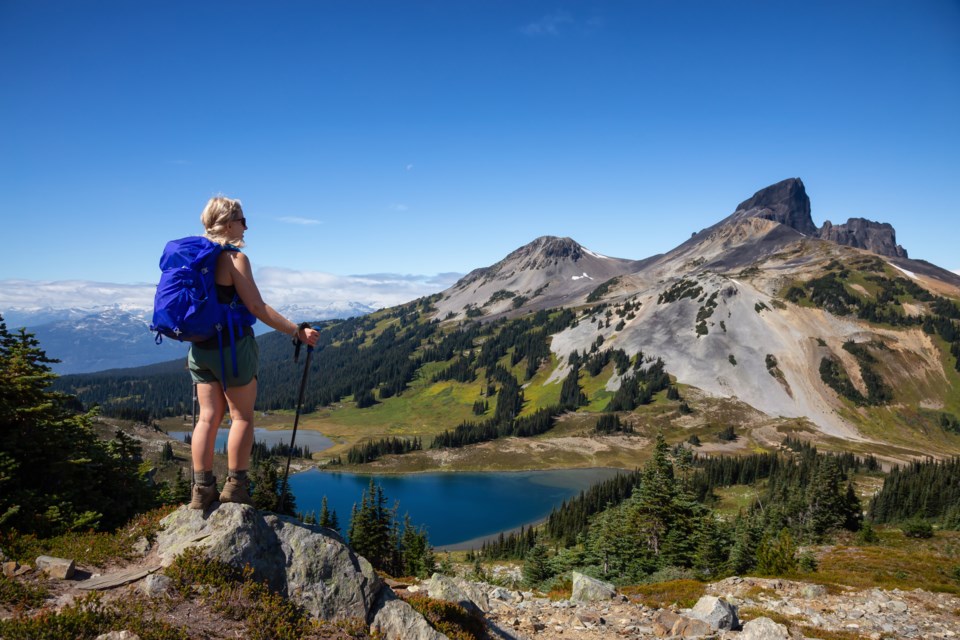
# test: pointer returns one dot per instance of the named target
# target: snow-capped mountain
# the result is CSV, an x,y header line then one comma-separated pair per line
x,y
118,336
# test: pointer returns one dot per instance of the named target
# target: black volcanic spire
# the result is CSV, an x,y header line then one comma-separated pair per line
x,y
785,202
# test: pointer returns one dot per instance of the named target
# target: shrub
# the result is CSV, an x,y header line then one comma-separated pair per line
x,y
18,594
448,618
917,529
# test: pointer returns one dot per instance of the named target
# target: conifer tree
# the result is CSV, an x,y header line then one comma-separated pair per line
x,y
55,474
266,482
535,567
777,555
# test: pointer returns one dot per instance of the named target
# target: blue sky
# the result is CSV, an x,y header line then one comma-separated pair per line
x,y
424,138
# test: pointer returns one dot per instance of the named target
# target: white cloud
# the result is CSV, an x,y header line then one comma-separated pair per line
x,y
67,294
297,220
286,286
279,287
549,25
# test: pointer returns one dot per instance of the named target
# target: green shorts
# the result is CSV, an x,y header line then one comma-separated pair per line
x,y
204,363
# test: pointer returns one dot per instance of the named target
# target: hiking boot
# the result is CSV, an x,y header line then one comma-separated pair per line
x,y
236,490
203,496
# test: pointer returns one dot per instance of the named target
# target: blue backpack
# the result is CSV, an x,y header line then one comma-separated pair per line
x,y
185,307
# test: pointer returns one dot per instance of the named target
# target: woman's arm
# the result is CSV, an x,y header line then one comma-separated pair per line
x,y
242,275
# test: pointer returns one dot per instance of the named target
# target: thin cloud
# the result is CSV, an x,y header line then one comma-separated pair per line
x,y
280,287
300,221
399,207
409,167
549,25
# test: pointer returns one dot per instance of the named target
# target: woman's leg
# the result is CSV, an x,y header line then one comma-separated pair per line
x,y
212,407
240,443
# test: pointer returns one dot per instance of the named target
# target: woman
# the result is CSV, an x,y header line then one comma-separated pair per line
x,y
225,224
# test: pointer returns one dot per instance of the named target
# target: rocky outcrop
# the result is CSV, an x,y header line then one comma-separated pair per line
x,y
878,237
785,202
309,564
871,613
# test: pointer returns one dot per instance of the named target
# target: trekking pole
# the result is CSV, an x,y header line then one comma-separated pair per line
x,y
296,418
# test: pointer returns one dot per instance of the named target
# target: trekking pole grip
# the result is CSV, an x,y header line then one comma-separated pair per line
x,y
297,343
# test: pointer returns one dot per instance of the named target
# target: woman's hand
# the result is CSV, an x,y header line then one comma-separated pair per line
x,y
308,335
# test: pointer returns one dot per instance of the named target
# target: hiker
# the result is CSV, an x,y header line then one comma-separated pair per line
x,y
225,224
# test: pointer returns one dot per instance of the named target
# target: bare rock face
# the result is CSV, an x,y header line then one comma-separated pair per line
x,y
308,564
878,237
785,202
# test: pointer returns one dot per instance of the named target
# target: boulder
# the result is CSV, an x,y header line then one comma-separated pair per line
x,y
10,568
154,585
587,589
118,635
309,564
763,629
716,612
58,568
394,619
462,592
691,628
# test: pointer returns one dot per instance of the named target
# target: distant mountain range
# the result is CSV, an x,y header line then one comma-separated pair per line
x,y
100,338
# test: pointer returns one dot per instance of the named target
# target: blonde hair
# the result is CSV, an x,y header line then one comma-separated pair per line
x,y
220,212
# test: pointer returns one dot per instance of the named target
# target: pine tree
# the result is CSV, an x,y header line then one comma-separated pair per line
x,y
266,482
55,474
653,502
777,555
327,517
535,567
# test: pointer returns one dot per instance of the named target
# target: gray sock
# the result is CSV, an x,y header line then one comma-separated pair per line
x,y
241,476
203,478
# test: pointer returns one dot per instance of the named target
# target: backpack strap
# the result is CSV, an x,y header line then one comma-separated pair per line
x,y
223,367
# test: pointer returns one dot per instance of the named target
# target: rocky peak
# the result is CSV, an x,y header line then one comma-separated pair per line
x,y
545,251
878,237
785,202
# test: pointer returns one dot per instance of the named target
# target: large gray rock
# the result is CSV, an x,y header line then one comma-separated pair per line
x,y
587,589
59,568
763,629
306,563
155,585
716,612
394,619
466,594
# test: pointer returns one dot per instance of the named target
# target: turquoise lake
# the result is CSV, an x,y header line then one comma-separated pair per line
x,y
454,507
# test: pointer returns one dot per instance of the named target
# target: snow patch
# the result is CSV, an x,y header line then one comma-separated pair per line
x,y
581,277
909,273
594,254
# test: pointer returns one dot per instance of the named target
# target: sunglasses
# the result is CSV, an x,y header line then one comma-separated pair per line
x,y
242,221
